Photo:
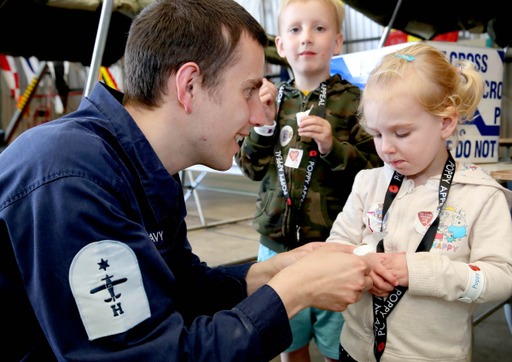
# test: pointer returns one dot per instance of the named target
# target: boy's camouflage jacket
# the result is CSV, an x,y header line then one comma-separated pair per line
x,y
332,177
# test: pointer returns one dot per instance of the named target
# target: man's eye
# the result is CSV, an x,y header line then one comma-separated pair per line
x,y
250,92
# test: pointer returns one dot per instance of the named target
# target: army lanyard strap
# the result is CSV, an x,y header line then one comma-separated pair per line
x,y
382,307
313,153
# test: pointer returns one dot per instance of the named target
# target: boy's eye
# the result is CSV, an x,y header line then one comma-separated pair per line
x,y
320,28
402,134
295,29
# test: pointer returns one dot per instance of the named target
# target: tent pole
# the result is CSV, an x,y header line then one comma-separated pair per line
x,y
385,35
99,46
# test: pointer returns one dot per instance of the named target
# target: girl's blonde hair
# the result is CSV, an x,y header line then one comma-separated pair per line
x,y
337,8
425,72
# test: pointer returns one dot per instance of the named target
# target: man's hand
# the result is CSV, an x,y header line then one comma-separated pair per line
x,y
327,277
282,260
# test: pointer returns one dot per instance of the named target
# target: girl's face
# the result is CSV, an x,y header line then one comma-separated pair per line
x,y
407,137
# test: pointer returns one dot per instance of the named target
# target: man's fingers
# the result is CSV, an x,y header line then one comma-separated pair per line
x,y
368,283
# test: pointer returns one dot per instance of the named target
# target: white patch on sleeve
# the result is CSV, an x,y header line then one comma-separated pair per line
x,y
107,285
475,286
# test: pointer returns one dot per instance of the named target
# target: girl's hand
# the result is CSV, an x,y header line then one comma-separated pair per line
x,y
384,281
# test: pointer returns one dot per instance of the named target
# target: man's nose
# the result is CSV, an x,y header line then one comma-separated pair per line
x,y
257,116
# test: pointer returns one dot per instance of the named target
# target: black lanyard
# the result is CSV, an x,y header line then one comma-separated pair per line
x,y
313,153
382,307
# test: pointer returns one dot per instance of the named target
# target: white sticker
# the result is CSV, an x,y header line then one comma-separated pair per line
x,y
374,217
294,157
423,221
107,285
286,135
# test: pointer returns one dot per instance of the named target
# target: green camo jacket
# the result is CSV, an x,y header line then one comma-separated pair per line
x,y
332,177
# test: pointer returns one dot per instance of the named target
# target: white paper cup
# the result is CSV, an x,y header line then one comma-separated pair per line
x,y
301,115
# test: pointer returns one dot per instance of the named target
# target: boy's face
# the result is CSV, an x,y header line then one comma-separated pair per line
x,y
308,38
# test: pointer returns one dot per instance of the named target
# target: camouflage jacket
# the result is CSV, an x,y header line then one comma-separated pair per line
x,y
284,227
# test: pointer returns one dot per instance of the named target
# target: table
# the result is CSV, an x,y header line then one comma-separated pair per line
x,y
501,171
191,182
506,142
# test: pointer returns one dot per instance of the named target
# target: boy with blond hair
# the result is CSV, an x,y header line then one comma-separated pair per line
x,y
306,169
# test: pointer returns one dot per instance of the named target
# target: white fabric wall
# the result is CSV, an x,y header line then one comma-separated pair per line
x,y
360,32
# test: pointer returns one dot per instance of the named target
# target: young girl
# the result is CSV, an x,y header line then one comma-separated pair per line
x,y
442,228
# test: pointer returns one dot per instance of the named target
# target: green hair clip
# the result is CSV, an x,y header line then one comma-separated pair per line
x,y
407,57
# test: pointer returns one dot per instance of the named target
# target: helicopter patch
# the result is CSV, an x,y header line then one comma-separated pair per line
x,y
107,285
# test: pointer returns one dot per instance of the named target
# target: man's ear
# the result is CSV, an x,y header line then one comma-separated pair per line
x,y
186,78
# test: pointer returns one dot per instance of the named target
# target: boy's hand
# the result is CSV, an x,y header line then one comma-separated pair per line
x,y
268,93
318,129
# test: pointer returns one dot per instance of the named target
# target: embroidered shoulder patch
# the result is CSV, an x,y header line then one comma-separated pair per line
x,y
107,285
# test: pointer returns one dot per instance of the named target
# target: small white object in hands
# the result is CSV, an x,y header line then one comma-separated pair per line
x,y
301,115
363,249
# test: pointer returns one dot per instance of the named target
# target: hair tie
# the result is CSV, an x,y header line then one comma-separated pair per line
x,y
407,57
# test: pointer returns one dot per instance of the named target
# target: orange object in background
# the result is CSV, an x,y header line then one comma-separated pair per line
x,y
399,37
452,36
